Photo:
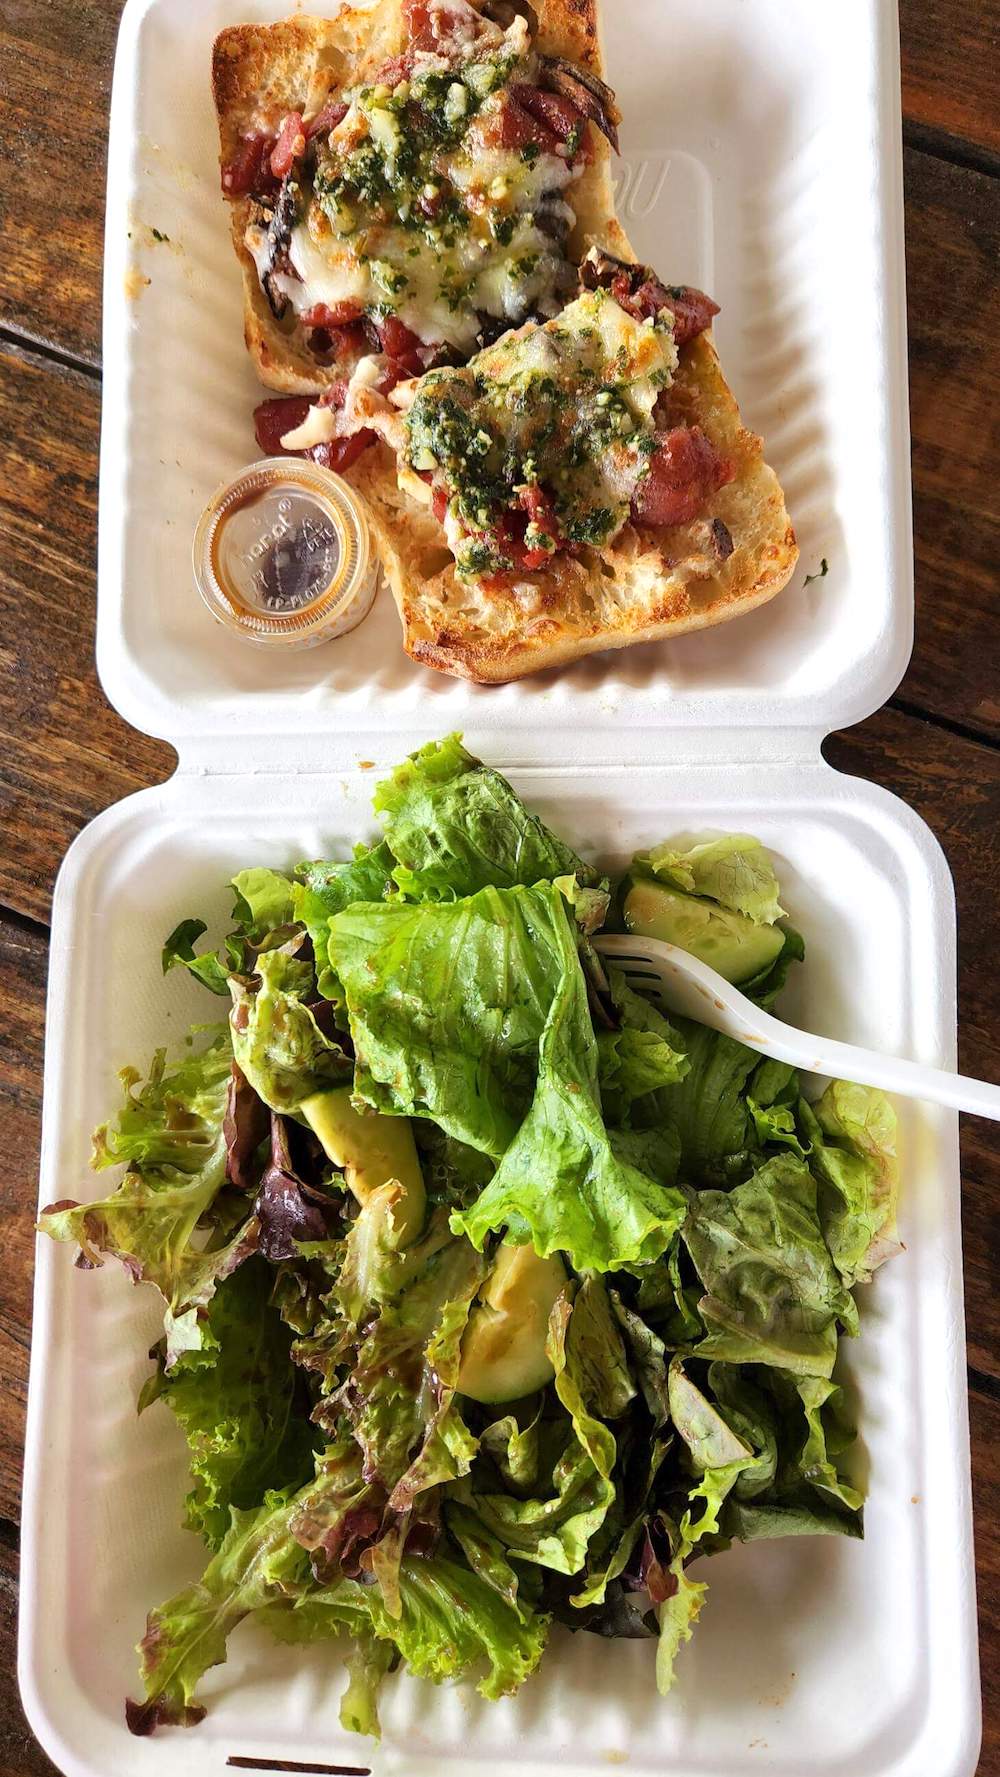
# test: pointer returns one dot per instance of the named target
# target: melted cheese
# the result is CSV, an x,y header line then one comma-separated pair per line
x,y
500,256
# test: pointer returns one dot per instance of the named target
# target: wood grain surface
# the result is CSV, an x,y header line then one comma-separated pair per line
x,y
64,754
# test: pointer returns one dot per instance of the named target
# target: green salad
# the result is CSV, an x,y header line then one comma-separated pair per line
x,y
492,1299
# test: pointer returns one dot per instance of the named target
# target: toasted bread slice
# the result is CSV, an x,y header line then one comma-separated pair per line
x,y
644,585
647,583
262,72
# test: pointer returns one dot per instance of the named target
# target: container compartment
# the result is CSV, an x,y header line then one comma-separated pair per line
x,y
744,171
819,1658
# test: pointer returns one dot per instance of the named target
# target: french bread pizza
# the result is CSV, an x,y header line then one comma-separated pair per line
x,y
438,291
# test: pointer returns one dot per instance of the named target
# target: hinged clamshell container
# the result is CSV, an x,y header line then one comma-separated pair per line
x,y
761,161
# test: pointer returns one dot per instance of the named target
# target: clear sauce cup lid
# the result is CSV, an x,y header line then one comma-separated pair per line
x,y
283,554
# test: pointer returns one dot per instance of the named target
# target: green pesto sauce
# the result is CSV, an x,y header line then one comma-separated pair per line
x,y
410,127
485,441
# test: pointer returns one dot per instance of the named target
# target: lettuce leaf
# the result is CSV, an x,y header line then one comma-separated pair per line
x,y
447,1004
276,1039
852,1136
647,1353
258,1560
452,1623
564,1183
174,1120
772,1292
735,871
708,1106
322,889
240,1404
468,1013
172,1136
592,1383
455,826
394,1322
262,903
640,1056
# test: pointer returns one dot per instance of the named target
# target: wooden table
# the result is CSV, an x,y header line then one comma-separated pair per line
x,y
64,754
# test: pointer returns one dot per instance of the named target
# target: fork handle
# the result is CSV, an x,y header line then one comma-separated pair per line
x,y
911,1079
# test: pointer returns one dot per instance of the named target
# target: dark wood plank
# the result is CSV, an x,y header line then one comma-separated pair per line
x,y
949,59
953,292
64,754
23,962
55,74
20,1753
984,1417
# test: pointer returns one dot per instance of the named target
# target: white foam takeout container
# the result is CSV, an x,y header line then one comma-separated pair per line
x,y
762,161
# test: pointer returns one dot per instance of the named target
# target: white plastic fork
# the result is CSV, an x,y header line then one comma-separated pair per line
x,y
684,984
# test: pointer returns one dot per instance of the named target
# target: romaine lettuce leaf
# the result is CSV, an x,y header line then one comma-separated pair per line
x,y
325,889
564,1183
455,826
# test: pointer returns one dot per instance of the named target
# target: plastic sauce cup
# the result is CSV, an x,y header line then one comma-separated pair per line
x,y
283,555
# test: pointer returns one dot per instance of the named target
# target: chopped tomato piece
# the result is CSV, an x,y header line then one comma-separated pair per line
x,y
682,476
396,69
331,345
401,344
693,311
417,17
518,127
641,293
290,146
340,453
394,373
326,120
249,170
439,504
331,314
553,110
429,25
272,419
541,513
